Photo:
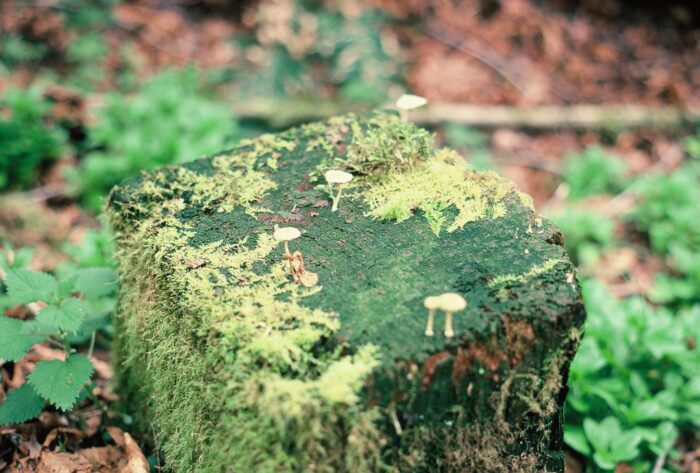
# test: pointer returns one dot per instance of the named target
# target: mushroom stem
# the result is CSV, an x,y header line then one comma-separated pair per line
x,y
449,332
286,248
429,327
336,199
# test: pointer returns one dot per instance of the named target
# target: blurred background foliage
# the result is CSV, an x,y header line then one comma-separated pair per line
x,y
92,92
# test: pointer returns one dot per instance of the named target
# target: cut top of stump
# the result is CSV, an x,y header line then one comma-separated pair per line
x,y
414,222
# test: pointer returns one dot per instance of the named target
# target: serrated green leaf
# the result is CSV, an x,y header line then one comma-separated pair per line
x,y
13,342
59,381
26,286
66,285
75,311
68,318
20,405
95,282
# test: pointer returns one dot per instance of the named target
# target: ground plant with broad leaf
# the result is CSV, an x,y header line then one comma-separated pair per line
x,y
635,382
61,309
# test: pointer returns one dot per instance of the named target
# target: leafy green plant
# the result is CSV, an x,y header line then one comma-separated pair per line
x,y
95,252
669,213
170,120
27,138
592,172
85,52
306,46
62,307
635,382
586,233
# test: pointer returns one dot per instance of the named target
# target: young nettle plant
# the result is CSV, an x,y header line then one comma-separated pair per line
x,y
60,308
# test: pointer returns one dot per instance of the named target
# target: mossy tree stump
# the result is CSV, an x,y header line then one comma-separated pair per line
x,y
241,369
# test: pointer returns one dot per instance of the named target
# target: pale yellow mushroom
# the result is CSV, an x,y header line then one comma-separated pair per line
x,y
286,234
408,102
335,176
432,303
451,302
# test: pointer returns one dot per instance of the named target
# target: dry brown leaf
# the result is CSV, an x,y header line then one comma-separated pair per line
x,y
105,459
117,435
66,433
137,462
60,462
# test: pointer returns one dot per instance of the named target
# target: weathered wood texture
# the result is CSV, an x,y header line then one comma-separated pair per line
x,y
240,369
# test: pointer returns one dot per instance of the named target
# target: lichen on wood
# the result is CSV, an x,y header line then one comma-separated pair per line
x,y
239,368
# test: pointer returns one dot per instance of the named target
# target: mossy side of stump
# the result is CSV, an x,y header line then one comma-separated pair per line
x,y
237,368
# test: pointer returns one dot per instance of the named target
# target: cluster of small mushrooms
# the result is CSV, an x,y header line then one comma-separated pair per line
x,y
449,302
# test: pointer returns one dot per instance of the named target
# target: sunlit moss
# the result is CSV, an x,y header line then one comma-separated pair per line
x,y
442,182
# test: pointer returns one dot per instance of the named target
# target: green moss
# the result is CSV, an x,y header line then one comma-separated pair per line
x,y
533,271
441,182
239,368
379,145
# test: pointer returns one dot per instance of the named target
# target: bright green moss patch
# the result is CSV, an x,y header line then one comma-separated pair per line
x,y
534,271
374,146
238,368
444,181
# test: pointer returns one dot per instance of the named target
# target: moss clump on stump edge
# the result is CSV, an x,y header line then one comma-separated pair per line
x,y
237,368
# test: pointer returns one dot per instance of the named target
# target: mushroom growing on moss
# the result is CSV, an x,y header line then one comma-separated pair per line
x,y
296,260
432,303
451,302
408,102
335,176
286,234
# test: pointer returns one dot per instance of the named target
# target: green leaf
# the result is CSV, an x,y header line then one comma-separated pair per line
x,y
60,382
68,318
26,286
576,439
20,405
95,282
75,311
13,342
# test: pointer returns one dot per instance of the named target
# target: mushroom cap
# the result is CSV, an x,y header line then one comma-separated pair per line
x,y
286,233
452,302
410,102
335,176
431,302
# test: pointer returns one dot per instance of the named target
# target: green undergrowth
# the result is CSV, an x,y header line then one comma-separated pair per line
x,y
28,138
244,368
634,395
177,121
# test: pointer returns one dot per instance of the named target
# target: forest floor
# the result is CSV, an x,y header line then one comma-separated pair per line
x,y
488,52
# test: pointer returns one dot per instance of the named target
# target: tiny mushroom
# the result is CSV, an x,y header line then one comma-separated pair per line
x,y
432,303
286,234
451,302
408,102
335,176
